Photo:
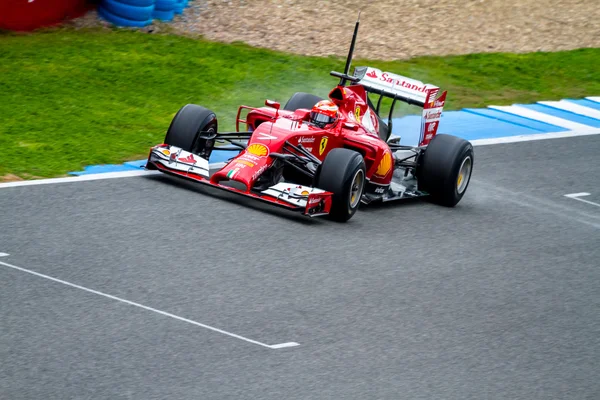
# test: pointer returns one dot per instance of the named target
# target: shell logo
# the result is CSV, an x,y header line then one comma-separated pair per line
x,y
258,149
305,193
384,165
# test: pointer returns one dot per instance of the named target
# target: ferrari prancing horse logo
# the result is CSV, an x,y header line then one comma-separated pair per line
x,y
323,145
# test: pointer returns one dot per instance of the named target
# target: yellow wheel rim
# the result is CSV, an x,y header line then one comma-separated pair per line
x,y
356,188
464,173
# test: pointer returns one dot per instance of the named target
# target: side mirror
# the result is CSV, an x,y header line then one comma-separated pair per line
x,y
351,126
273,104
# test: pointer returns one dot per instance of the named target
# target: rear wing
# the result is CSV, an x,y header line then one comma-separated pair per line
x,y
407,90
395,86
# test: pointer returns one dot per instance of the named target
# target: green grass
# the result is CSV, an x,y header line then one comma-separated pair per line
x,y
74,98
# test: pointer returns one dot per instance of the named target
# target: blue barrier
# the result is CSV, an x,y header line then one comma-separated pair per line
x,y
120,21
139,13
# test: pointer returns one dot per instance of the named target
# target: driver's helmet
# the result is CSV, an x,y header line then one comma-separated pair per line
x,y
324,113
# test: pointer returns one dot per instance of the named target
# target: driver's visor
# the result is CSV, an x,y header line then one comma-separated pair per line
x,y
321,119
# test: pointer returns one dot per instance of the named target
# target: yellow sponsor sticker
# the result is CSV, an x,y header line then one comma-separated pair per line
x,y
384,165
247,163
258,149
323,145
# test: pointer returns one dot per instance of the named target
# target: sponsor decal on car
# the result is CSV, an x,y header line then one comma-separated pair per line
x,y
189,159
323,145
250,158
306,139
232,173
243,163
259,171
238,165
397,82
372,74
357,113
298,191
258,149
384,165
380,190
166,152
433,114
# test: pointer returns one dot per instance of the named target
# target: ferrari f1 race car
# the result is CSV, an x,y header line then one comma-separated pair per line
x,y
324,156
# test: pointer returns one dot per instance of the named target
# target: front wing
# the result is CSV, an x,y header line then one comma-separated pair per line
x,y
175,161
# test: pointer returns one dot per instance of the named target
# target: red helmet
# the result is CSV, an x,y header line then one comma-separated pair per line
x,y
324,113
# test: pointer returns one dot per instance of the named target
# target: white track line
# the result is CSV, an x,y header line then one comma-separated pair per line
x,y
596,99
576,196
535,136
189,321
561,211
573,107
4,254
82,178
92,177
538,116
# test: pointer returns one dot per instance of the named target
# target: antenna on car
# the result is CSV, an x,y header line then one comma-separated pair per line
x,y
345,77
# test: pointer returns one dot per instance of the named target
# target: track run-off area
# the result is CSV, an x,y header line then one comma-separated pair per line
x,y
136,285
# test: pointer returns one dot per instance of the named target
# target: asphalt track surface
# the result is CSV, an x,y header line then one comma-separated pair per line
x,y
498,298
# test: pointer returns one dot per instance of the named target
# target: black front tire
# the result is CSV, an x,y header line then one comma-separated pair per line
x,y
343,173
185,126
301,100
445,169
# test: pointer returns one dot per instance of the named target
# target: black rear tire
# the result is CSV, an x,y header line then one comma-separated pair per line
x,y
301,100
343,173
446,169
184,128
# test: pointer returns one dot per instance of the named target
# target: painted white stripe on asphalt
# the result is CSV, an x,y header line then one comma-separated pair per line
x,y
535,136
573,107
539,204
92,177
4,254
596,99
549,119
284,345
82,178
576,196
166,314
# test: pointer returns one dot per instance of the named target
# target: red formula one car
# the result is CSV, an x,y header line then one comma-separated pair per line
x,y
324,156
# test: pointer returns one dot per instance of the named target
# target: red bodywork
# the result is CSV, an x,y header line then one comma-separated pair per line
x,y
272,128
357,129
